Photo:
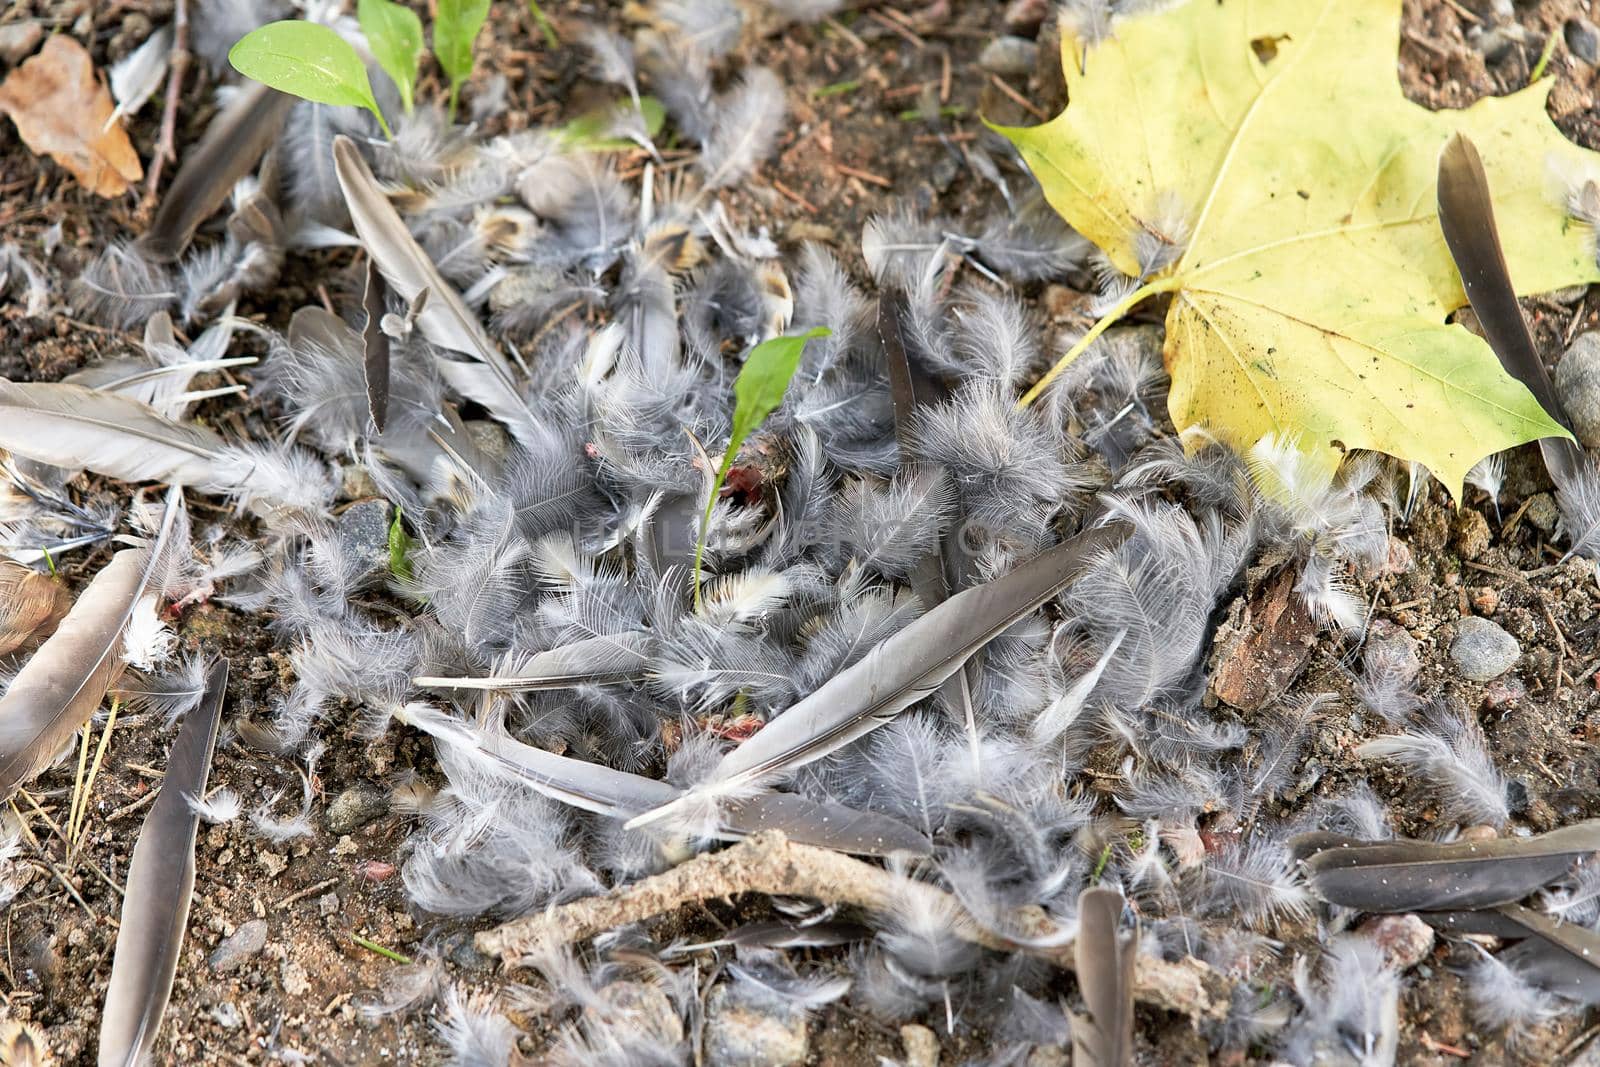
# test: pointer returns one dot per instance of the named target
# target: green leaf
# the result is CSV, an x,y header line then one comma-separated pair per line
x,y
455,28
394,32
307,60
757,392
399,548
587,132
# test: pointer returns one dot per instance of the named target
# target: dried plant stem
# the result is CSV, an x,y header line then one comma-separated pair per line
x,y
166,146
1110,318
771,864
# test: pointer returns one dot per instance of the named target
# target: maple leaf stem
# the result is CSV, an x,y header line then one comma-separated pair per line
x,y
1110,318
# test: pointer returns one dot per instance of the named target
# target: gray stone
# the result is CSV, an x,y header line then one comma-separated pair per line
x,y
1482,651
1542,513
1583,41
742,1031
226,1015
1578,387
363,532
355,807
328,904
1009,55
18,40
237,948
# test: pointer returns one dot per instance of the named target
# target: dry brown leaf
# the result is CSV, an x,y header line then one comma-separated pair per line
x,y
31,604
61,108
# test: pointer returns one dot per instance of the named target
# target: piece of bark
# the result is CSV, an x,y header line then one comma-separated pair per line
x,y
769,863
1270,648
61,108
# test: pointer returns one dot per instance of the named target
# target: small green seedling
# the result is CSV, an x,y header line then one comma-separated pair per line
x,y
757,392
308,60
455,29
399,549
394,33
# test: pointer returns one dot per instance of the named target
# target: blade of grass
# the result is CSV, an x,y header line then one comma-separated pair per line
x,y
373,946
543,22
94,769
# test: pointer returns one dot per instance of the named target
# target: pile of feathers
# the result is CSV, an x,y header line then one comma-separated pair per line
x,y
964,639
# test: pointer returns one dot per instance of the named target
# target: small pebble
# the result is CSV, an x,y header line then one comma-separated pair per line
x,y
237,948
355,807
1471,534
1026,16
648,1009
921,1045
355,482
18,40
1542,513
742,1032
363,533
1009,55
1404,940
1577,382
1583,41
1482,651
1503,693
328,904
226,1015
1485,600
1398,560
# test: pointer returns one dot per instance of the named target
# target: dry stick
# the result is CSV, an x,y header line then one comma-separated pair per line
x,y
771,864
178,66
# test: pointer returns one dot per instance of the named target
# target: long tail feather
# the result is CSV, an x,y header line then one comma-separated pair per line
x,y
620,795
1466,214
1401,876
445,319
155,908
900,670
74,427
1103,1035
57,690
230,149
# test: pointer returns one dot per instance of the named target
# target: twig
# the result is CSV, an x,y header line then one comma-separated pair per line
x,y
769,863
1017,98
308,891
177,67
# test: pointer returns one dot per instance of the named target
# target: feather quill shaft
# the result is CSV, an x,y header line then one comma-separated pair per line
x,y
900,670
1103,1035
1466,214
58,689
603,660
1402,876
155,908
232,146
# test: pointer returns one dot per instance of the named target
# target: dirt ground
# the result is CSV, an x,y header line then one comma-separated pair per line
x,y
858,86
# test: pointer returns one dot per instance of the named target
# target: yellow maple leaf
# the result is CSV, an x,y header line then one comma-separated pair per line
x,y
1269,147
